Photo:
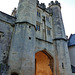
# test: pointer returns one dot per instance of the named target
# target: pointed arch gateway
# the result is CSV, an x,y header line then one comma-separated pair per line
x,y
44,63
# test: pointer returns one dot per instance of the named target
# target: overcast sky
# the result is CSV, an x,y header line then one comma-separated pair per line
x,y
68,11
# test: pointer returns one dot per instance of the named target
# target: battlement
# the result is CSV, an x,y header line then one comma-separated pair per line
x,y
42,5
48,9
54,3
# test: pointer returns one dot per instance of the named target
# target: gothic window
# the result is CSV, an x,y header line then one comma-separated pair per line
x,y
38,14
37,27
47,18
48,31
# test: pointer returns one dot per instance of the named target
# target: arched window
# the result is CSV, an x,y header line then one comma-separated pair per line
x,y
14,73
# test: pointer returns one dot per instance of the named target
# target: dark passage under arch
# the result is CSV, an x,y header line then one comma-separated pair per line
x,y
14,73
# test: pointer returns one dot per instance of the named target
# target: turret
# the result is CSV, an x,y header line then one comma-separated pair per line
x,y
57,20
54,3
63,67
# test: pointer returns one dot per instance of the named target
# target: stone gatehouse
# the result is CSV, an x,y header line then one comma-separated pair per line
x,y
33,41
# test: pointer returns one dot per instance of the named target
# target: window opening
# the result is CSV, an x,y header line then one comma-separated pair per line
x,y
47,18
29,26
38,14
48,31
38,27
62,65
29,38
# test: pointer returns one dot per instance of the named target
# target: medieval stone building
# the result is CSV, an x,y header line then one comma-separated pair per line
x,y
33,41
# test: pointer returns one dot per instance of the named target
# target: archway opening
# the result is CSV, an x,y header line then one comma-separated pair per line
x,y
43,63
14,73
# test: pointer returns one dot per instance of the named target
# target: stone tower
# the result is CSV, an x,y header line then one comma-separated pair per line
x,y
62,55
38,44
22,55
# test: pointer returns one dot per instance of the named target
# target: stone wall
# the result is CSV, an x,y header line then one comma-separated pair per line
x,y
6,31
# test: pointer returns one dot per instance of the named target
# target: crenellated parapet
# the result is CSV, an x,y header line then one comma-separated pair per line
x,y
42,5
48,9
54,3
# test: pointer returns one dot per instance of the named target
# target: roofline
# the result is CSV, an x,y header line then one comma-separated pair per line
x,y
7,14
71,45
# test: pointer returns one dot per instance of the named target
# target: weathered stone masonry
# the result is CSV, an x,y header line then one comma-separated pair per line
x,y
33,42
